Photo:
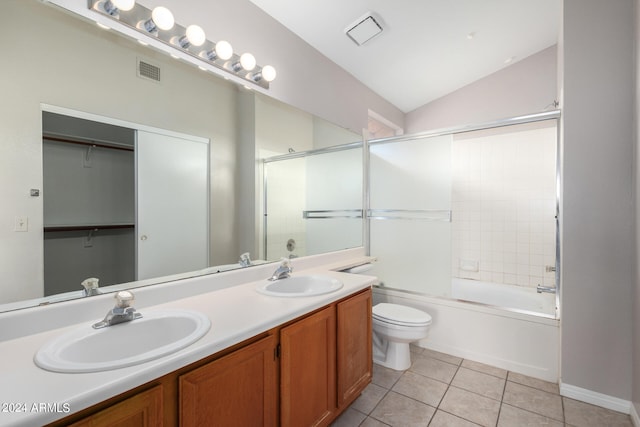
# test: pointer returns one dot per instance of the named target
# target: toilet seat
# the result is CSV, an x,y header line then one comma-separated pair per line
x,y
400,315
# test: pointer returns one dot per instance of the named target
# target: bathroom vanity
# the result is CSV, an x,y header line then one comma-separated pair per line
x,y
266,360
304,372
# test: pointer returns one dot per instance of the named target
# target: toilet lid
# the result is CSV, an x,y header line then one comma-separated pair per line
x,y
400,315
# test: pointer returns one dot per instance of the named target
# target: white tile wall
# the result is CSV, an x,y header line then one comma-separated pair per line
x,y
503,203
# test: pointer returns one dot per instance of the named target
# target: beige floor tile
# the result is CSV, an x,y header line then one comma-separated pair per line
x,y
487,369
533,400
479,382
442,356
580,414
421,388
510,416
385,377
415,349
471,406
445,419
372,422
349,418
433,368
370,397
398,410
534,382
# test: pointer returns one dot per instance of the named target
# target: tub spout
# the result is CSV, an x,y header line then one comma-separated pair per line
x,y
549,289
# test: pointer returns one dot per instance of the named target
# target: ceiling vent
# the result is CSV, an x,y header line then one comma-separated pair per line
x,y
364,29
148,71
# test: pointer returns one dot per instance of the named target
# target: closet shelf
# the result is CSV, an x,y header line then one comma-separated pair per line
x,y
87,227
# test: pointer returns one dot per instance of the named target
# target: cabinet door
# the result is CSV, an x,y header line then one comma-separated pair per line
x,y
142,410
308,370
239,389
354,347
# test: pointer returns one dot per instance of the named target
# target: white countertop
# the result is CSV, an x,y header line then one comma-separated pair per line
x,y
236,313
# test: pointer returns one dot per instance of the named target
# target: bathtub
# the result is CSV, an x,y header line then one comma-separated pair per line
x,y
523,340
509,297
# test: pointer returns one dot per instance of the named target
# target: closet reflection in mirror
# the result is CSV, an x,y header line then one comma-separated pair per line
x,y
121,204
92,71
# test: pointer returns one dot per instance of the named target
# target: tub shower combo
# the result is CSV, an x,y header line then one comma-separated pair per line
x,y
463,223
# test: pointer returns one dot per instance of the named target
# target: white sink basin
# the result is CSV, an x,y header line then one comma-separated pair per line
x,y
156,334
299,286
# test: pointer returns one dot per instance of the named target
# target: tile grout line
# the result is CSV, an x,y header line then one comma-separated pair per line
x,y
381,399
504,389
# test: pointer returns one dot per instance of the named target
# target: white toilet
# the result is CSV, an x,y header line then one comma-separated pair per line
x,y
394,327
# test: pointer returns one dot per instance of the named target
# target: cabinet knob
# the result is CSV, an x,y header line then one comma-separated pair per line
x,y
143,237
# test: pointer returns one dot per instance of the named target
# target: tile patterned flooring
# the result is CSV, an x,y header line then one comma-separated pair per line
x,y
441,390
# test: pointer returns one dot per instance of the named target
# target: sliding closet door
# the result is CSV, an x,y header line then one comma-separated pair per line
x,y
172,226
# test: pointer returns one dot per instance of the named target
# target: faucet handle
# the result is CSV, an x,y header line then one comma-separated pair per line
x,y
285,262
124,299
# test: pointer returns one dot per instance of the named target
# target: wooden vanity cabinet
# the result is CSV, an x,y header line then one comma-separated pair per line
x,y
239,389
308,370
140,410
326,362
353,346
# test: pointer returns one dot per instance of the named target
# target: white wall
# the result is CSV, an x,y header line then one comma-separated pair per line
x,y
526,87
597,218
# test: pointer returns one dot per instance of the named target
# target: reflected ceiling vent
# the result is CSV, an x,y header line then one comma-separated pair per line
x,y
364,29
148,71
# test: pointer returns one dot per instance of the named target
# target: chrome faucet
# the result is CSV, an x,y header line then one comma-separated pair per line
x,y
283,271
548,289
122,312
245,260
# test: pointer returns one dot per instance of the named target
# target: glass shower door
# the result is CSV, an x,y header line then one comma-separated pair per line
x,y
410,214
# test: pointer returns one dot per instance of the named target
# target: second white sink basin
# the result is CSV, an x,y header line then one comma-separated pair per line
x,y
299,286
154,335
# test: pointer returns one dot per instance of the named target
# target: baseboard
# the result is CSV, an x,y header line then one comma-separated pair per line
x,y
539,372
598,399
635,419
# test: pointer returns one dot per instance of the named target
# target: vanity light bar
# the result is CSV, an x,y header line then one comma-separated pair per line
x,y
189,40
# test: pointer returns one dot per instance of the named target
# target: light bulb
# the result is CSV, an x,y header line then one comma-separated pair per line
x,y
113,7
248,61
162,18
195,35
124,4
224,50
268,73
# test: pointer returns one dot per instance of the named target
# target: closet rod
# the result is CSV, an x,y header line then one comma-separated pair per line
x,y
89,143
87,227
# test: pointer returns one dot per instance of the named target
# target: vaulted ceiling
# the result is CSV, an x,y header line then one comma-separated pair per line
x,y
427,48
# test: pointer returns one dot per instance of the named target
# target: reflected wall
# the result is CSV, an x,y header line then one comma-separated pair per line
x,y
313,203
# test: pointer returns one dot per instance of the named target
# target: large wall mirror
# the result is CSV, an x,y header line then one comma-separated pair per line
x,y
71,64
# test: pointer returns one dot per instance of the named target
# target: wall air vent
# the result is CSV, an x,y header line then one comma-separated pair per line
x,y
148,71
364,29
